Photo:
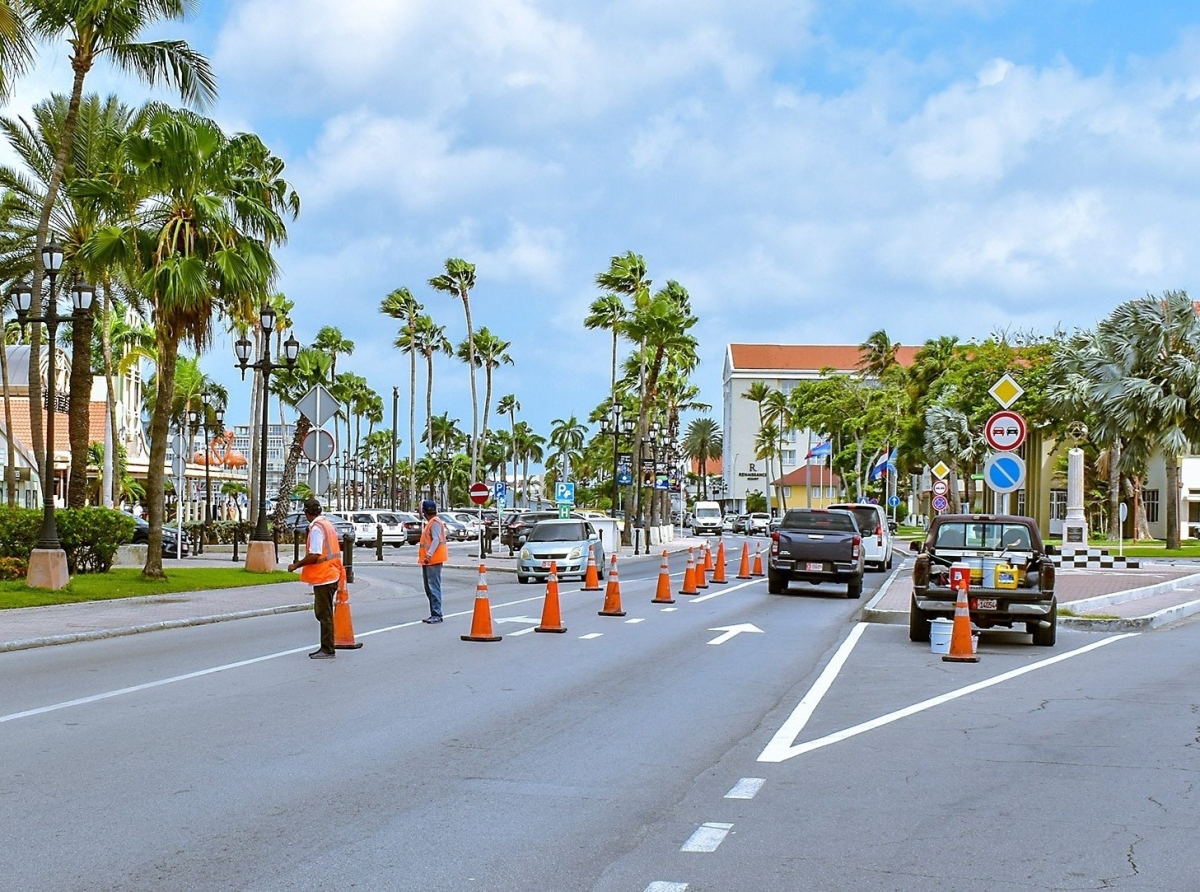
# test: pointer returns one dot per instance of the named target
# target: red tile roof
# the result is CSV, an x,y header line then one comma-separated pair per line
x,y
819,474
712,467
805,357
23,434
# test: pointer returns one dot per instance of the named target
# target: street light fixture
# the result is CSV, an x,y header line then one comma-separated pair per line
x,y
613,424
260,553
209,418
48,561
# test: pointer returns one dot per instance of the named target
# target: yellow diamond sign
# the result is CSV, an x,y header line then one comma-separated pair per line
x,y
940,470
1006,391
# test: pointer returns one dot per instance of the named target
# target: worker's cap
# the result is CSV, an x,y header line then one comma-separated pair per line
x,y
429,506
312,506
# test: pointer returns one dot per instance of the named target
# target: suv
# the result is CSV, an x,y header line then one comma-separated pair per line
x,y
876,533
518,525
368,523
985,542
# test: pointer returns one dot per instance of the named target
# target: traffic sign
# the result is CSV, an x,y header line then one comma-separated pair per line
x,y
564,491
318,446
499,490
940,470
318,479
940,503
480,493
894,501
1004,472
178,466
1005,431
564,511
318,405
940,487
863,500
1006,391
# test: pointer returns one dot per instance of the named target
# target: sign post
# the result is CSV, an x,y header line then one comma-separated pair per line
x,y
480,493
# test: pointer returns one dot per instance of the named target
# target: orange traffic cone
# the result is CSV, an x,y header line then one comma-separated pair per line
x,y
708,557
612,595
551,617
758,570
662,595
689,575
960,636
481,620
744,567
591,582
701,566
343,626
719,571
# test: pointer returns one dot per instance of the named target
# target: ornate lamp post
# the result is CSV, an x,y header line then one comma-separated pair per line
x,y
48,561
260,553
613,424
210,418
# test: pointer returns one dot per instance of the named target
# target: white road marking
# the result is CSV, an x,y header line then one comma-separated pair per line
x,y
661,886
780,747
733,632
590,635
669,609
707,837
519,619
746,788
724,591
635,621
521,632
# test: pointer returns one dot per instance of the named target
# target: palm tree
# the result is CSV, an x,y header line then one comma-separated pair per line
x,y
400,304
457,281
489,355
330,340
290,385
777,411
877,354
529,446
608,312
510,406
431,340
567,437
703,442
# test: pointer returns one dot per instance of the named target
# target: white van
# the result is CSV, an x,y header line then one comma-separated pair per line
x,y
706,519
876,534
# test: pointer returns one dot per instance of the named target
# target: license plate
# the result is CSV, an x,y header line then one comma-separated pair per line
x,y
985,604
813,567
545,565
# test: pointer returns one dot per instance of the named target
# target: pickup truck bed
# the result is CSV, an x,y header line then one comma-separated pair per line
x,y
815,546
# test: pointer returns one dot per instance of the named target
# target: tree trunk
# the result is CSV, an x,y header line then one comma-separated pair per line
x,y
1114,488
466,299
160,433
1172,500
955,498
79,403
412,428
110,478
288,482
10,466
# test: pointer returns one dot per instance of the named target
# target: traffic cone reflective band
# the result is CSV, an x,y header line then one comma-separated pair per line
x,y
744,567
961,650
612,595
662,594
758,571
719,571
591,581
701,563
708,557
481,620
343,626
551,616
689,575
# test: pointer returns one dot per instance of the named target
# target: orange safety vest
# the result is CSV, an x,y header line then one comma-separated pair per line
x,y
442,554
329,568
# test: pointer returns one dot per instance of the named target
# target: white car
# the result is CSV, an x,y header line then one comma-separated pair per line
x,y
758,523
367,525
876,533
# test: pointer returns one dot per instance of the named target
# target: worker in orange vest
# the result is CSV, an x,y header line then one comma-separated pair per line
x,y
321,567
431,554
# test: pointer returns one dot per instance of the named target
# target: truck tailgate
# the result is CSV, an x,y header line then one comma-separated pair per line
x,y
795,545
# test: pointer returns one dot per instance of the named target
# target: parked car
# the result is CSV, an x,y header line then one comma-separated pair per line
x,y
758,523
727,522
170,538
566,543
411,524
876,534
298,523
368,523
469,519
519,524
739,523
456,530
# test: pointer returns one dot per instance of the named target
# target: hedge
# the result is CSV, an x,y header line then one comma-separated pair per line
x,y
89,536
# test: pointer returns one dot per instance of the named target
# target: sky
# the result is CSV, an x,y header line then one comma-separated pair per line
x,y
810,170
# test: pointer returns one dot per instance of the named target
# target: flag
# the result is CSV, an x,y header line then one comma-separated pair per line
x,y
820,450
886,462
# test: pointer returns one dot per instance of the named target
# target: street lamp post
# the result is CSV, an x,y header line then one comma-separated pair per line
x,y
207,418
48,560
260,552
392,472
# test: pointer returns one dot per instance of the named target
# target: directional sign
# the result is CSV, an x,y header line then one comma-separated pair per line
x,y
564,491
733,631
940,503
1004,472
940,487
480,493
894,501
318,446
1005,431
318,405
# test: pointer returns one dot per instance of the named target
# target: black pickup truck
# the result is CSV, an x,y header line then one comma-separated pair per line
x,y
813,545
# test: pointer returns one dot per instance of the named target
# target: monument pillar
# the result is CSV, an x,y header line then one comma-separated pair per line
x,y
1075,533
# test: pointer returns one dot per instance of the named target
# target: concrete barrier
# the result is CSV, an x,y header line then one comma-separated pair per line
x,y
130,556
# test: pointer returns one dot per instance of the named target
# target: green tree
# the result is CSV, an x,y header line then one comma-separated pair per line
x,y
702,443
489,354
402,306
457,281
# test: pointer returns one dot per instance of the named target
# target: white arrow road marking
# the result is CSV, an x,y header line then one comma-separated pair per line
x,y
707,837
519,619
731,631
780,748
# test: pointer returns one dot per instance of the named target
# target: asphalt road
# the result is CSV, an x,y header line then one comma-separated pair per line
x,y
220,757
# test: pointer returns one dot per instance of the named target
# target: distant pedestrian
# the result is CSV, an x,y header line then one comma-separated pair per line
x,y
431,554
321,567
137,509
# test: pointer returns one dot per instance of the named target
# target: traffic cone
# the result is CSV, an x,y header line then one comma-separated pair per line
x,y
960,636
612,595
758,571
551,617
481,620
708,556
689,575
701,566
591,582
343,626
719,571
662,595
744,567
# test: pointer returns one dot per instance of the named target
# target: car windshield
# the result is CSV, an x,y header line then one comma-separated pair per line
x,y
708,512
818,520
974,534
554,531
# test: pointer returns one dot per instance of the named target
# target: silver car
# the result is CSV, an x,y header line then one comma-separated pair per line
x,y
566,543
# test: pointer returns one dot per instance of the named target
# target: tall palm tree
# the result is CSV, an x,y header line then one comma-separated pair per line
x,y
877,354
608,312
329,339
703,442
529,445
490,353
777,412
567,436
431,341
509,405
457,281
401,305
290,385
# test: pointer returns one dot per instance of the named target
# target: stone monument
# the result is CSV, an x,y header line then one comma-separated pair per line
x,y
1075,532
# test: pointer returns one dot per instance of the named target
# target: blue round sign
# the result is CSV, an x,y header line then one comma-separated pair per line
x,y
1004,472
940,503
894,501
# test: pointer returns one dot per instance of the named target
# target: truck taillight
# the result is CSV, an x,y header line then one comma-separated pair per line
x,y
857,547
1046,576
775,543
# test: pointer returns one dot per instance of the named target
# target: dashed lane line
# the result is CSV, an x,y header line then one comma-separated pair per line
x,y
746,788
707,837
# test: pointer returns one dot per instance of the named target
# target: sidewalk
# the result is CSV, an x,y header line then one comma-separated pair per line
x,y
1097,600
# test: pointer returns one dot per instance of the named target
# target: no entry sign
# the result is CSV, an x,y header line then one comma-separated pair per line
x,y
480,493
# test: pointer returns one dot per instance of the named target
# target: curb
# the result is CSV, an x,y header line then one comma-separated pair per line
x,y
871,614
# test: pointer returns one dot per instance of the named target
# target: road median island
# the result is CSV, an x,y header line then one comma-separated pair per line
x,y
124,583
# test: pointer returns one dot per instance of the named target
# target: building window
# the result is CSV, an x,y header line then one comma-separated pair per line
x,y
788,456
1020,507
1150,499
1058,504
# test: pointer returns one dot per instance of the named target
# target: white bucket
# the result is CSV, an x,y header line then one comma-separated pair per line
x,y
939,635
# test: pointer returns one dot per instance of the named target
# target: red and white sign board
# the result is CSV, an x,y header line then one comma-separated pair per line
x,y
480,493
1005,431
940,487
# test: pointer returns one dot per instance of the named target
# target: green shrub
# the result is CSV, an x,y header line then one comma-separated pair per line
x,y
89,536
219,532
19,531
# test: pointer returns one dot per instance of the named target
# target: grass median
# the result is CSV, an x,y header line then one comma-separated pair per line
x,y
129,583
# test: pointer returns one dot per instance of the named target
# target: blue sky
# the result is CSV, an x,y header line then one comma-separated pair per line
x,y
810,171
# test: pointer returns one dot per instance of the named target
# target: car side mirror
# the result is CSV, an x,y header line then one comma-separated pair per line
x,y
521,540
1053,549
914,546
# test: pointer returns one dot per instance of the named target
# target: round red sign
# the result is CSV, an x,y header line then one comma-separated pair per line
x,y
1005,431
480,493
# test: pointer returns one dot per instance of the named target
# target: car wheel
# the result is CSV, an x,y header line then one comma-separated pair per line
x,y
397,544
776,584
854,587
1045,637
888,565
524,580
918,623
